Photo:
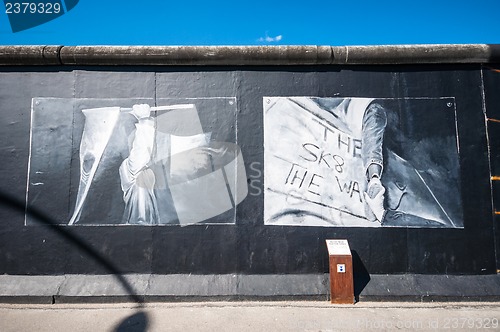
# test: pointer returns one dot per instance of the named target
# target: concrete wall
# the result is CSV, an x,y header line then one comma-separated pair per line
x,y
435,128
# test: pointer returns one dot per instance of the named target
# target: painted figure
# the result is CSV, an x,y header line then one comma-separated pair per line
x,y
367,119
137,179
374,123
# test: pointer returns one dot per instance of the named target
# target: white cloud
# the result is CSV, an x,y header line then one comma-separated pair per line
x,y
268,39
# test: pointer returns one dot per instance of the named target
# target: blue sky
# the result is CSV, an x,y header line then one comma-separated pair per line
x,y
309,22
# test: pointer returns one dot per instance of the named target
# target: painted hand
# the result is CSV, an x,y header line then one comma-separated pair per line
x,y
374,197
141,111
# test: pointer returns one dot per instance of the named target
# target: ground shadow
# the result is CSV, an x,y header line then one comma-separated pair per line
x,y
137,322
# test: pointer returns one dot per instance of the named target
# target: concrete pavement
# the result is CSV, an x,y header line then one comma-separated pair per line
x,y
252,316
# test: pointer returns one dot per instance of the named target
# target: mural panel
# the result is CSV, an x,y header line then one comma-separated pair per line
x,y
123,162
361,162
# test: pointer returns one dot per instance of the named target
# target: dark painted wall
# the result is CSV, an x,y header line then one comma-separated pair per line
x,y
248,246
492,99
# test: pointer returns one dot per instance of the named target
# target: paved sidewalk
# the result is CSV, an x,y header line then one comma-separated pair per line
x,y
252,316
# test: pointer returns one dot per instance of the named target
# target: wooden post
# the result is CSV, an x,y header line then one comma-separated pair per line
x,y
341,276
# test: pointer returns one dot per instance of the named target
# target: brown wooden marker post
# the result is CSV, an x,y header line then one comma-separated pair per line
x,y
341,276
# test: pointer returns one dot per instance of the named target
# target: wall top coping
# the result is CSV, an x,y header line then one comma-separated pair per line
x,y
247,55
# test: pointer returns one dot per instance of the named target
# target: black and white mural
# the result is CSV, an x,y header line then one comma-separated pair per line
x,y
361,162
128,162
355,162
